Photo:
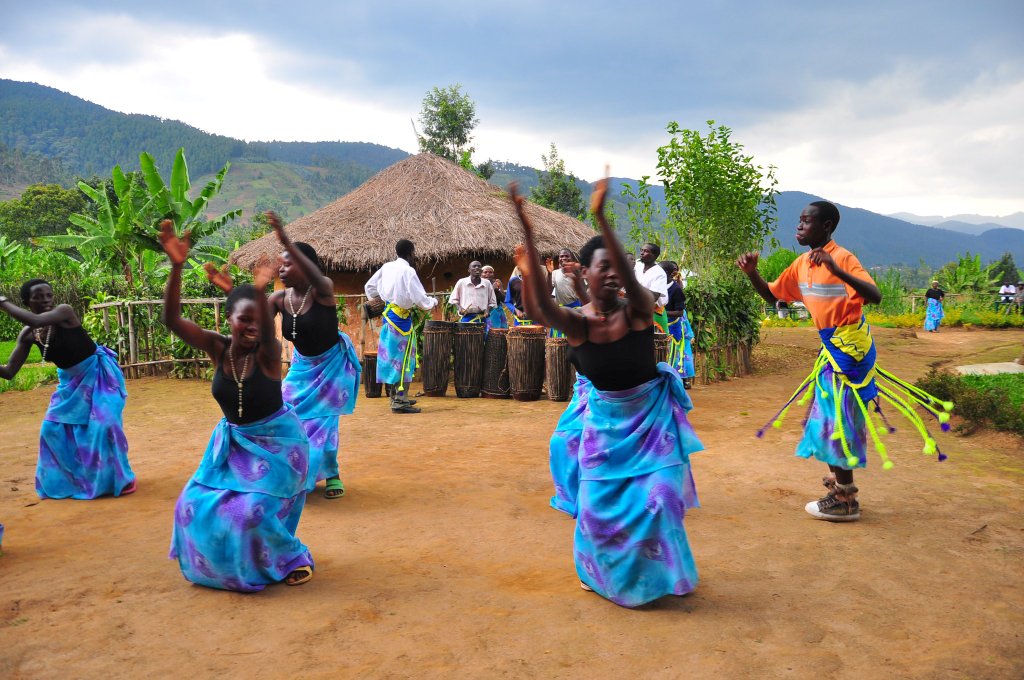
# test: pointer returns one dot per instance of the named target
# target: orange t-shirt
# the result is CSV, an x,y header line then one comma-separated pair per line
x,y
830,302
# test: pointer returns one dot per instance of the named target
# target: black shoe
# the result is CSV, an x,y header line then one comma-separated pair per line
x,y
403,400
404,408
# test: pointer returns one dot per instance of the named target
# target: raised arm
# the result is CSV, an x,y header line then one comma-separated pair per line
x,y
536,291
323,285
270,346
747,263
640,300
63,315
18,355
194,336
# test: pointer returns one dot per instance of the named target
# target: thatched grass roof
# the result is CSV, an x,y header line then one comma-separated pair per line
x,y
445,210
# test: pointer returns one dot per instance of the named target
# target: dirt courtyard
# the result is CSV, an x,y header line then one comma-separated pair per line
x,y
445,560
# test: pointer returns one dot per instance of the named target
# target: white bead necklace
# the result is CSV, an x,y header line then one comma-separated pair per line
x,y
39,339
234,374
291,308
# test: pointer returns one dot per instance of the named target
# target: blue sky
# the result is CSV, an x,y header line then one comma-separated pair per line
x,y
884,105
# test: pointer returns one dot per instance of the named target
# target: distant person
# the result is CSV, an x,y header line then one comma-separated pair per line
x,y
473,296
834,286
1018,300
398,285
514,300
652,277
680,355
933,314
564,280
1007,294
496,318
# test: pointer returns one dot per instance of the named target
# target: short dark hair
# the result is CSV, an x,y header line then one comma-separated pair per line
x,y
669,266
655,248
828,211
310,252
587,251
404,248
246,291
26,288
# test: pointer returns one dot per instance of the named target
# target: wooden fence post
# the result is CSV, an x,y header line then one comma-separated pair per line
x,y
133,348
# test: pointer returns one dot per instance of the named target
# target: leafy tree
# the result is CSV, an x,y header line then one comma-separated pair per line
x,y
43,209
966,275
718,202
640,211
557,189
1005,270
448,118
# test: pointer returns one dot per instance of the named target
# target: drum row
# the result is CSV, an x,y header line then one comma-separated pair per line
x,y
515,362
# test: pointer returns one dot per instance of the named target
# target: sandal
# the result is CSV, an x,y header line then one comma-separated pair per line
x,y
305,574
334,489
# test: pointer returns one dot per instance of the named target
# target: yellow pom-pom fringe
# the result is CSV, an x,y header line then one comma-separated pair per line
x,y
887,465
777,424
943,417
929,447
947,405
852,461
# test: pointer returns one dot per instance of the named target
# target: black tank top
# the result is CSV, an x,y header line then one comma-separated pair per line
x,y
68,346
261,395
619,365
317,328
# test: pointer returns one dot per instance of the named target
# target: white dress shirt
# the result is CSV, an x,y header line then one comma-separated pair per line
x,y
470,298
397,282
653,279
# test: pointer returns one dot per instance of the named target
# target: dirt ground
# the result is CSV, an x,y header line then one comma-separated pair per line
x,y
444,559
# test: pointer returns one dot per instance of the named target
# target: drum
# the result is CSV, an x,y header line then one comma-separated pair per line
x,y
373,308
661,345
370,385
469,359
496,383
526,361
437,357
559,373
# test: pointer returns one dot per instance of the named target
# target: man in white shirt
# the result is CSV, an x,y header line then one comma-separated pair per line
x,y
473,296
398,285
1006,294
652,277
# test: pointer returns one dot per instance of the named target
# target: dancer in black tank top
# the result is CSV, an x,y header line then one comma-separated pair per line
x,y
634,477
250,485
309,320
83,452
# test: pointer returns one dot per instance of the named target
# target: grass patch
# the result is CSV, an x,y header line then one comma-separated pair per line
x,y
992,400
32,373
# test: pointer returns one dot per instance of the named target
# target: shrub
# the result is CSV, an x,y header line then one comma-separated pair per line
x,y
996,400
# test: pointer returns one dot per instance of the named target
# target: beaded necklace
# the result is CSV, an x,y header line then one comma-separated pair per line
x,y
234,374
39,339
291,308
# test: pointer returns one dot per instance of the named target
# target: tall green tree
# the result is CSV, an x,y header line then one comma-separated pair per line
x,y
42,209
448,117
557,189
1005,270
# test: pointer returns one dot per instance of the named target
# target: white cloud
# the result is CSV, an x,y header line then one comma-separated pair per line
x,y
887,146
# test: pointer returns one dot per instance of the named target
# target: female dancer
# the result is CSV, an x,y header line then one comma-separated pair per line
x,y
323,380
235,521
933,315
680,354
83,452
635,483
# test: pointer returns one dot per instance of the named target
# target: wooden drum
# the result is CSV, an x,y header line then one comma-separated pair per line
x,y
496,383
559,373
661,345
469,359
370,385
526,361
437,357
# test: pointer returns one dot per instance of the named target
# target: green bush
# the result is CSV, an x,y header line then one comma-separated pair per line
x,y
32,373
995,400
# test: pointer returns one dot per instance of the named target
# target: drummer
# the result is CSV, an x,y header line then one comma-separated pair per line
x,y
473,296
565,281
653,278
398,284
496,318
514,300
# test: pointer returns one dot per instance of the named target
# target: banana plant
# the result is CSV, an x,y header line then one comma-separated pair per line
x,y
172,201
7,249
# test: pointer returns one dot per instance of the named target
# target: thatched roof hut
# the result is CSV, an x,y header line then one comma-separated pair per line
x,y
450,214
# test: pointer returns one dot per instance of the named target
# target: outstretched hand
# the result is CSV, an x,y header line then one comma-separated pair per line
x,y
521,260
549,264
176,248
219,277
263,274
597,198
275,223
747,262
